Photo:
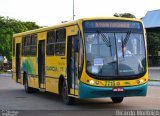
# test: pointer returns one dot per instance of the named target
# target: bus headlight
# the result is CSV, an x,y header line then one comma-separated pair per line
x,y
91,82
141,80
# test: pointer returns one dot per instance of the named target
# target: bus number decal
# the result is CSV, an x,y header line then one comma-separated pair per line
x,y
110,83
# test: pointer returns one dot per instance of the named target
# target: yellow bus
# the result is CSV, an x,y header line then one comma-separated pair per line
x,y
86,58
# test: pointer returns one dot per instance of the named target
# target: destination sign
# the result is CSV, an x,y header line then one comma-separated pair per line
x,y
112,24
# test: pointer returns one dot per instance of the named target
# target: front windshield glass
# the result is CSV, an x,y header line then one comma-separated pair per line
x,y
115,54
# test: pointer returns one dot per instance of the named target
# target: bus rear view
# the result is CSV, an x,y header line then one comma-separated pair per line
x,y
115,62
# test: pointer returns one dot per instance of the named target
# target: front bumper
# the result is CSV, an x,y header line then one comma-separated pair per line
x,y
88,91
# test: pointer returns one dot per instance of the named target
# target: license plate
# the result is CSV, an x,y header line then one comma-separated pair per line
x,y
117,89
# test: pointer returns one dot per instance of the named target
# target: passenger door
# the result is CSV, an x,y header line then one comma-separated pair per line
x,y
41,63
18,61
72,64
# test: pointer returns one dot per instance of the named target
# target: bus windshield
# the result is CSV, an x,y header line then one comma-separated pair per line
x,y
115,54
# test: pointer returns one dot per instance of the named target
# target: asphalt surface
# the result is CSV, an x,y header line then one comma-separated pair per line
x,y
154,73
15,102
13,98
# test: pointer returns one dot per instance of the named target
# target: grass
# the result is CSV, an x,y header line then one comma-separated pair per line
x,y
4,72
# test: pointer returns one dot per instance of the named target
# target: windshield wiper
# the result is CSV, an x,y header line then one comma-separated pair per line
x,y
105,39
125,41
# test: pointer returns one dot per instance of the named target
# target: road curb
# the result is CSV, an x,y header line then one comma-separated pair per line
x,y
154,68
5,75
154,83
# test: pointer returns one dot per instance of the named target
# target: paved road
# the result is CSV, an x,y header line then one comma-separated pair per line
x,y
13,97
154,73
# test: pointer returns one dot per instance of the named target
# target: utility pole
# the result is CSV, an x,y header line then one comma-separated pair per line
x,y
73,10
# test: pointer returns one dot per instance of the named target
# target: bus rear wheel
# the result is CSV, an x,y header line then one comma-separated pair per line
x,y
117,99
66,99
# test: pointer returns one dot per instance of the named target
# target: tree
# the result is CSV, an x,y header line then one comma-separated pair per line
x,y
126,15
8,27
31,25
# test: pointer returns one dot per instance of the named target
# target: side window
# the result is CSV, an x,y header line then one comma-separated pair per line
x,y
60,42
13,45
61,35
33,45
29,45
60,49
51,39
24,43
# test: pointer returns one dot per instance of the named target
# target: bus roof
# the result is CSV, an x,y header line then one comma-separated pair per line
x,y
73,23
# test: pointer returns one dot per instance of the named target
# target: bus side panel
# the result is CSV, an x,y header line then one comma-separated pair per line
x,y
21,81
35,72
16,40
55,66
13,69
29,65
52,85
36,82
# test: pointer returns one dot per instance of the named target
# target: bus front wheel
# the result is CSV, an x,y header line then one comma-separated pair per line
x,y
117,99
66,99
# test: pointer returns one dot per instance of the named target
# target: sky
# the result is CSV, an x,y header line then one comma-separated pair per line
x,y
52,12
